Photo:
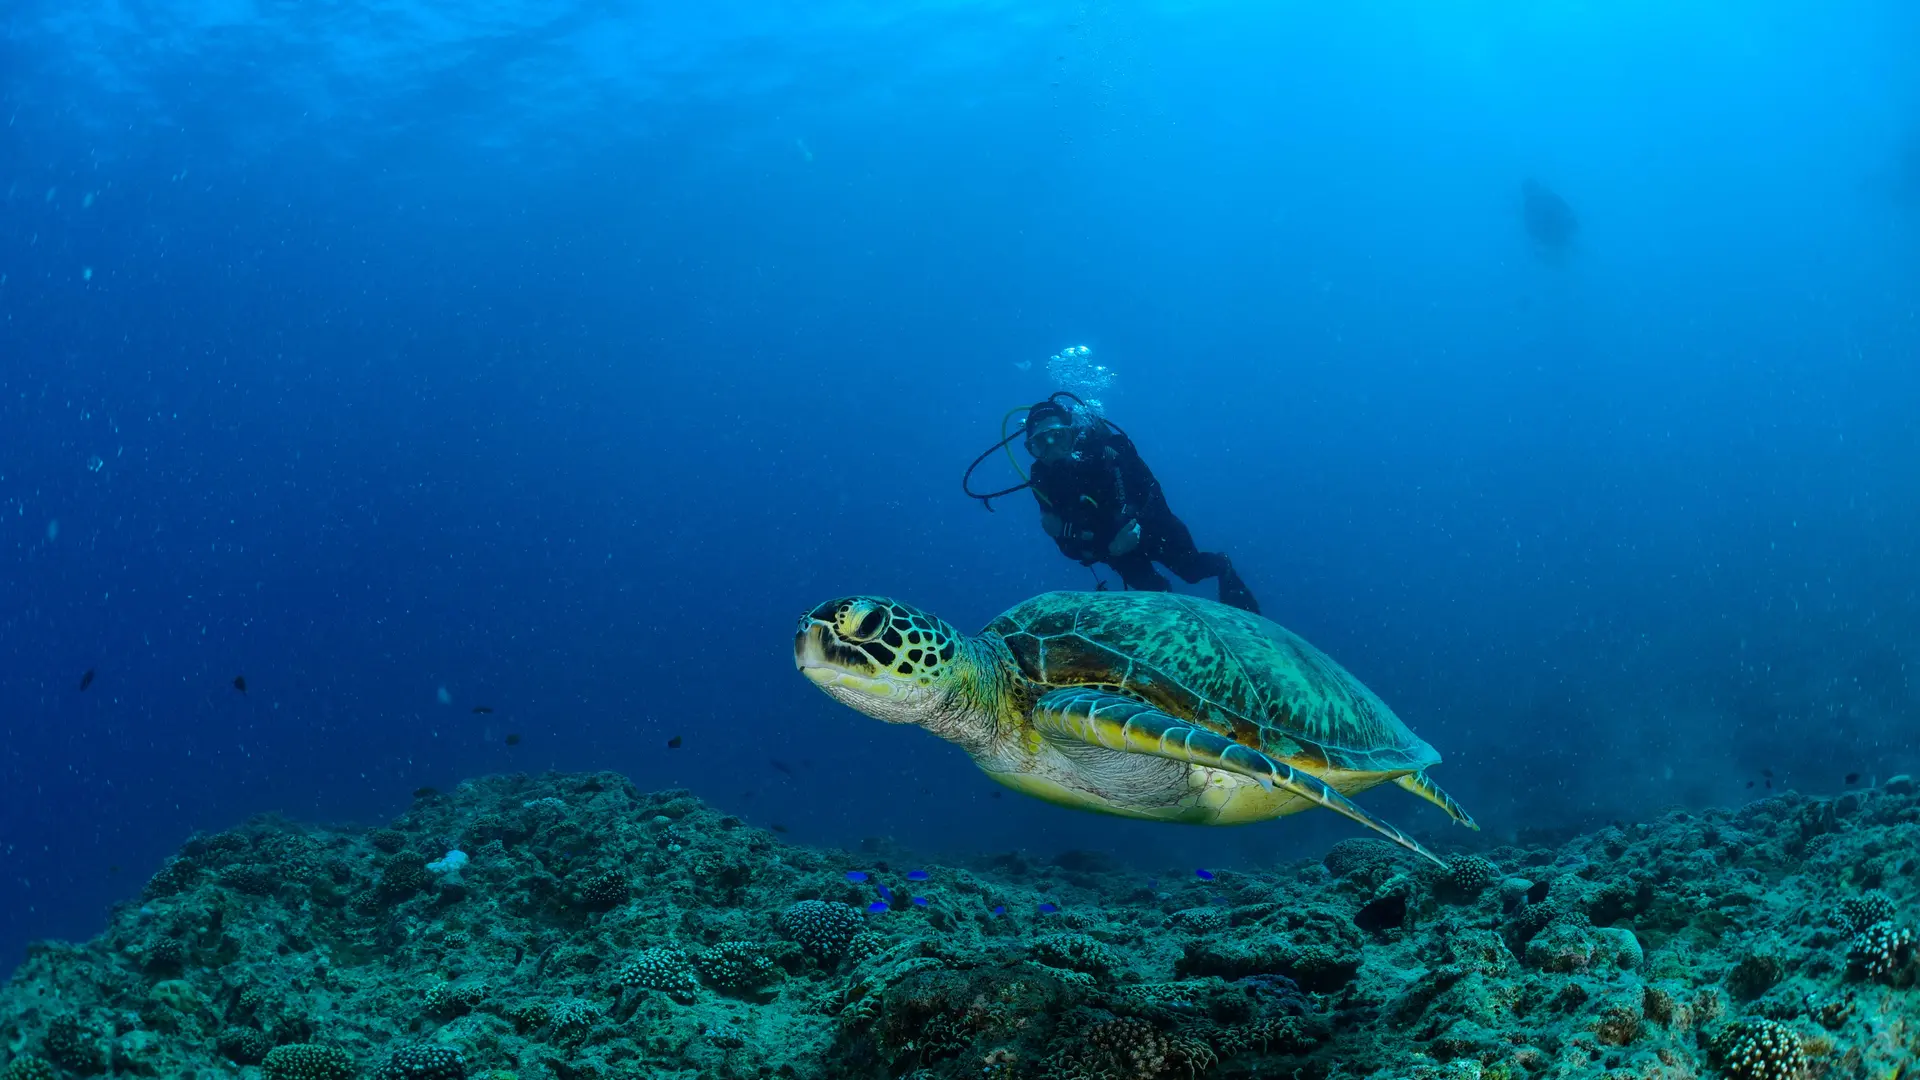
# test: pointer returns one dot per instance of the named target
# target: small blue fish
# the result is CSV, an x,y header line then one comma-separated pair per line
x,y
918,875
1203,875
999,909
1048,909
877,906
1153,884
885,893
856,875
921,900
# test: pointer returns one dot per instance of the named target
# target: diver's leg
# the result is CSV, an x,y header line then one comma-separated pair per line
x,y
1172,546
1137,571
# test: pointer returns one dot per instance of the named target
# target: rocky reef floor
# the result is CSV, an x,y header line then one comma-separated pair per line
x,y
588,931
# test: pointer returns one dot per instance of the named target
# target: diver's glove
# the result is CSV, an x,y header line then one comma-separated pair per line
x,y
1052,525
1126,539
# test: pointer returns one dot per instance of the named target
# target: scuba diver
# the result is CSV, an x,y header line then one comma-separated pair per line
x,y
1101,504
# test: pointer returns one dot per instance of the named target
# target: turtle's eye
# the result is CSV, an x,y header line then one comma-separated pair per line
x,y
870,625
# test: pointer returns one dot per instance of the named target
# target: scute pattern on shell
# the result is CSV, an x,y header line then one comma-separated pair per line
x,y
1231,672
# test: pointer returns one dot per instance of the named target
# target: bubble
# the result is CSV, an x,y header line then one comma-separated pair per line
x,y
1072,369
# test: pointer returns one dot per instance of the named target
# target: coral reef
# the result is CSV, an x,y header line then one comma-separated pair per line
x,y
594,932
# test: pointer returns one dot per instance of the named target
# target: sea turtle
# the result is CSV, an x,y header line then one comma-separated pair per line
x,y
1142,704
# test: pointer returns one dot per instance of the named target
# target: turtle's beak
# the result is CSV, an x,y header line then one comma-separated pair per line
x,y
849,675
827,661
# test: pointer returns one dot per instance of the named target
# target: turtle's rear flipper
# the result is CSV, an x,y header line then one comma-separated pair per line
x,y
1098,718
1418,783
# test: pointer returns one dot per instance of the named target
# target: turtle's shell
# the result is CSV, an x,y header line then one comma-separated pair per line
x,y
1221,668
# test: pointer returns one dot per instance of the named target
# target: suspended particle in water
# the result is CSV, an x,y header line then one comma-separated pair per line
x,y
53,529
444,697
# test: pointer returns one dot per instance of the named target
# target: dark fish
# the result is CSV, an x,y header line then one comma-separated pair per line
x,y
425,792
995,793
240,683
1769,785
1203,875
1749,783
777,827
1768,773
1549,220
482,710
673,743
856,875
1153,883
877,906
1853,778
513,739
918,875
114,869
780,766
87,679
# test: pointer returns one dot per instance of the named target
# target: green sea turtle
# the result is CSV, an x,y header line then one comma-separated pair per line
x,y
1142,704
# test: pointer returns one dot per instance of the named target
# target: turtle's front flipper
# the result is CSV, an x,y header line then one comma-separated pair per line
x,y
1098,718
1418,783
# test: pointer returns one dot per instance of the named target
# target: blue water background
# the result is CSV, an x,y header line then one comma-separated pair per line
x,y
560,354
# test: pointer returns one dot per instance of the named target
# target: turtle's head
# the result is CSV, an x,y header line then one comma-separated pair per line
x,y
887,659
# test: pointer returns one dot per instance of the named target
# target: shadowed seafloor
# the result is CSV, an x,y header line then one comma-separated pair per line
x,y
594,931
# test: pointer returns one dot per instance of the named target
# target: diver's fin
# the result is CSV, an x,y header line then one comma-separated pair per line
x,y
1418,783
1098,718
1234,591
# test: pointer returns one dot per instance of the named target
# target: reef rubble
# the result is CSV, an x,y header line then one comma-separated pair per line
x,y
586,930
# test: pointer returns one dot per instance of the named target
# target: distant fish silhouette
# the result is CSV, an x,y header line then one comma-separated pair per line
x,y
1768,773
86,680
240,683
1853,778
673,743
1549,220
513,739
483,710
781,766
777,827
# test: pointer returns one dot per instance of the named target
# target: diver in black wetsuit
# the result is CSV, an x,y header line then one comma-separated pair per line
x,y
1100,503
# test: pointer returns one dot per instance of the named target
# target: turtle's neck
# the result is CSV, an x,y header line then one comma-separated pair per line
x,y
984,692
